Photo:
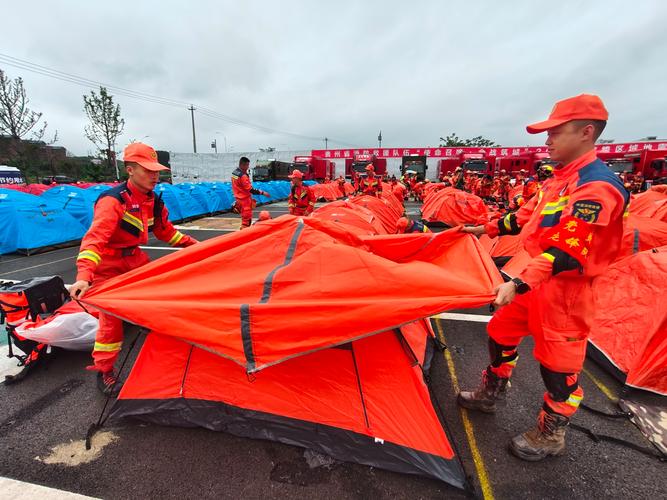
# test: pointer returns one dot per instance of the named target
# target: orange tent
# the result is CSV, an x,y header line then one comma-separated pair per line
x,y
325,322
328,192
366,402
629,330
286,287
356,218
454,207
642,233
652,203
383,209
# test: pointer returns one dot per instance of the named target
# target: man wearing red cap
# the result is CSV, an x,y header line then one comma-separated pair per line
x,y
370,184
243,191
123,216
407,225
301,199
572,229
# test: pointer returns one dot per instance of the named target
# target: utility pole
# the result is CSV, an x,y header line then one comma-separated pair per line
x,y
194,139
380,139
326,143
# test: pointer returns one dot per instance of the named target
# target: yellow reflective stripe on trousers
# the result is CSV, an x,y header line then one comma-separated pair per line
x,y
90,255
116,346
178,236
131,219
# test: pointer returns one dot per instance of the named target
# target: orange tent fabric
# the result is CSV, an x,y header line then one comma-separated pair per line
x,y
295,285
328,192
454,207
393,201
356,218
642,233
383,209
629,330
652,203
366,402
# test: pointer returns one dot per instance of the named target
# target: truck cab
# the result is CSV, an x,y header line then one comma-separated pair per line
x,y
272,170
415,163
475,162
357,166
314,167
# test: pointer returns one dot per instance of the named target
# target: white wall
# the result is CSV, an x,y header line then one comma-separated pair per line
x,y
205,167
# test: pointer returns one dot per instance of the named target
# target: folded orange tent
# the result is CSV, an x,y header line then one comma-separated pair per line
x,y
385,210
629,330
328,192
323,320
356,218
652,203
454,207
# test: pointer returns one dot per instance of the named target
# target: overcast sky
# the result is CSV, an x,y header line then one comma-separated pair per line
x,y
417,70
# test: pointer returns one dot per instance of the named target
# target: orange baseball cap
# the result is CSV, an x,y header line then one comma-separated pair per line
x,y
296,174
369,168
144,155
581,107
264,215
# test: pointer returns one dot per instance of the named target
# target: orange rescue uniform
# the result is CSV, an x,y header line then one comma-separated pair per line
x,y
572,229
243,191
123,216
301,200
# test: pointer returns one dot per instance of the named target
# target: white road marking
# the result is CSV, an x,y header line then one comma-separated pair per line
x,y
171,249
197,228
19,490
478,318
38,265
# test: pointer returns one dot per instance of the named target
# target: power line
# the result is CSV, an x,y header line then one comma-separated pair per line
x,y
143,96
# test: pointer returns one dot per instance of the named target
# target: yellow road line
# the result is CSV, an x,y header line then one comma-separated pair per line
x,y
606,390
485,484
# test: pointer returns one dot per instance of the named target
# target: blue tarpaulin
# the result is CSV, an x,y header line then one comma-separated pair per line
x,y
76,201
32,222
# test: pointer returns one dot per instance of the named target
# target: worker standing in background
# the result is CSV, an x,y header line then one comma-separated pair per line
x,y
301,199
370,185
243,191
123,216
572,230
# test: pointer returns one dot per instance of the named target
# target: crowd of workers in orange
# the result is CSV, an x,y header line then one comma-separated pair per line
x,y
570,212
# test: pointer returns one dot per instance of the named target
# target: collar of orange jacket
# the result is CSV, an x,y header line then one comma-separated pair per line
x,y
575,165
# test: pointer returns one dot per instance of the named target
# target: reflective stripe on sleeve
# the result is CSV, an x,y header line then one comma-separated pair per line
x,y
90,255
178,236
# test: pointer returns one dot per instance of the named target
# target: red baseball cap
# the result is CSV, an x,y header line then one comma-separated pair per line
x,y
296,174
581,107
144,155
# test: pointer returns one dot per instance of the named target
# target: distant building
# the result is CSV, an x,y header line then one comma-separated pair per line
x,y
38,152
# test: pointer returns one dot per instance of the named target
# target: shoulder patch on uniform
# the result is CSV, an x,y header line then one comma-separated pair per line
x,y
586,210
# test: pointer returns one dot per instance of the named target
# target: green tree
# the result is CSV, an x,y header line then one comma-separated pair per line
x,y
106,124
452,140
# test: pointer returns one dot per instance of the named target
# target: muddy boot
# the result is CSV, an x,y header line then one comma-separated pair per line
x,y
547,438
485,396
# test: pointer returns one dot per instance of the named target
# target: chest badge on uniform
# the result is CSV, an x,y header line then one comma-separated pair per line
x,y
586,210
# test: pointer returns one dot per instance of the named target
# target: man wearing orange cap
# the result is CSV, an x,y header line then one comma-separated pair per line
x,y
407,225
123,216
243,191
341,185
264,215
370,184
572,229
301,199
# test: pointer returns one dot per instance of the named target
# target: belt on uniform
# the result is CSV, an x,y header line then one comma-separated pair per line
x,y
121,252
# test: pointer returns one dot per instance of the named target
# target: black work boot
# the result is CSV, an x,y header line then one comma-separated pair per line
x,y
108,383
484,397
547,438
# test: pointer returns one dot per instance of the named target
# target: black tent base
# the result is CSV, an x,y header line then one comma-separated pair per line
x,y
343,445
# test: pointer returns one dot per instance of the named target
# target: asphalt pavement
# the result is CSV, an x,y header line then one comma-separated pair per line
x,y
56,405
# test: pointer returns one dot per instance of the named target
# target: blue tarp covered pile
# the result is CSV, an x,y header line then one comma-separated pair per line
x,y
64,213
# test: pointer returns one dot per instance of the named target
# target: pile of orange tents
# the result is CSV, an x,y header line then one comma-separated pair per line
x,y
453,207
301,330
